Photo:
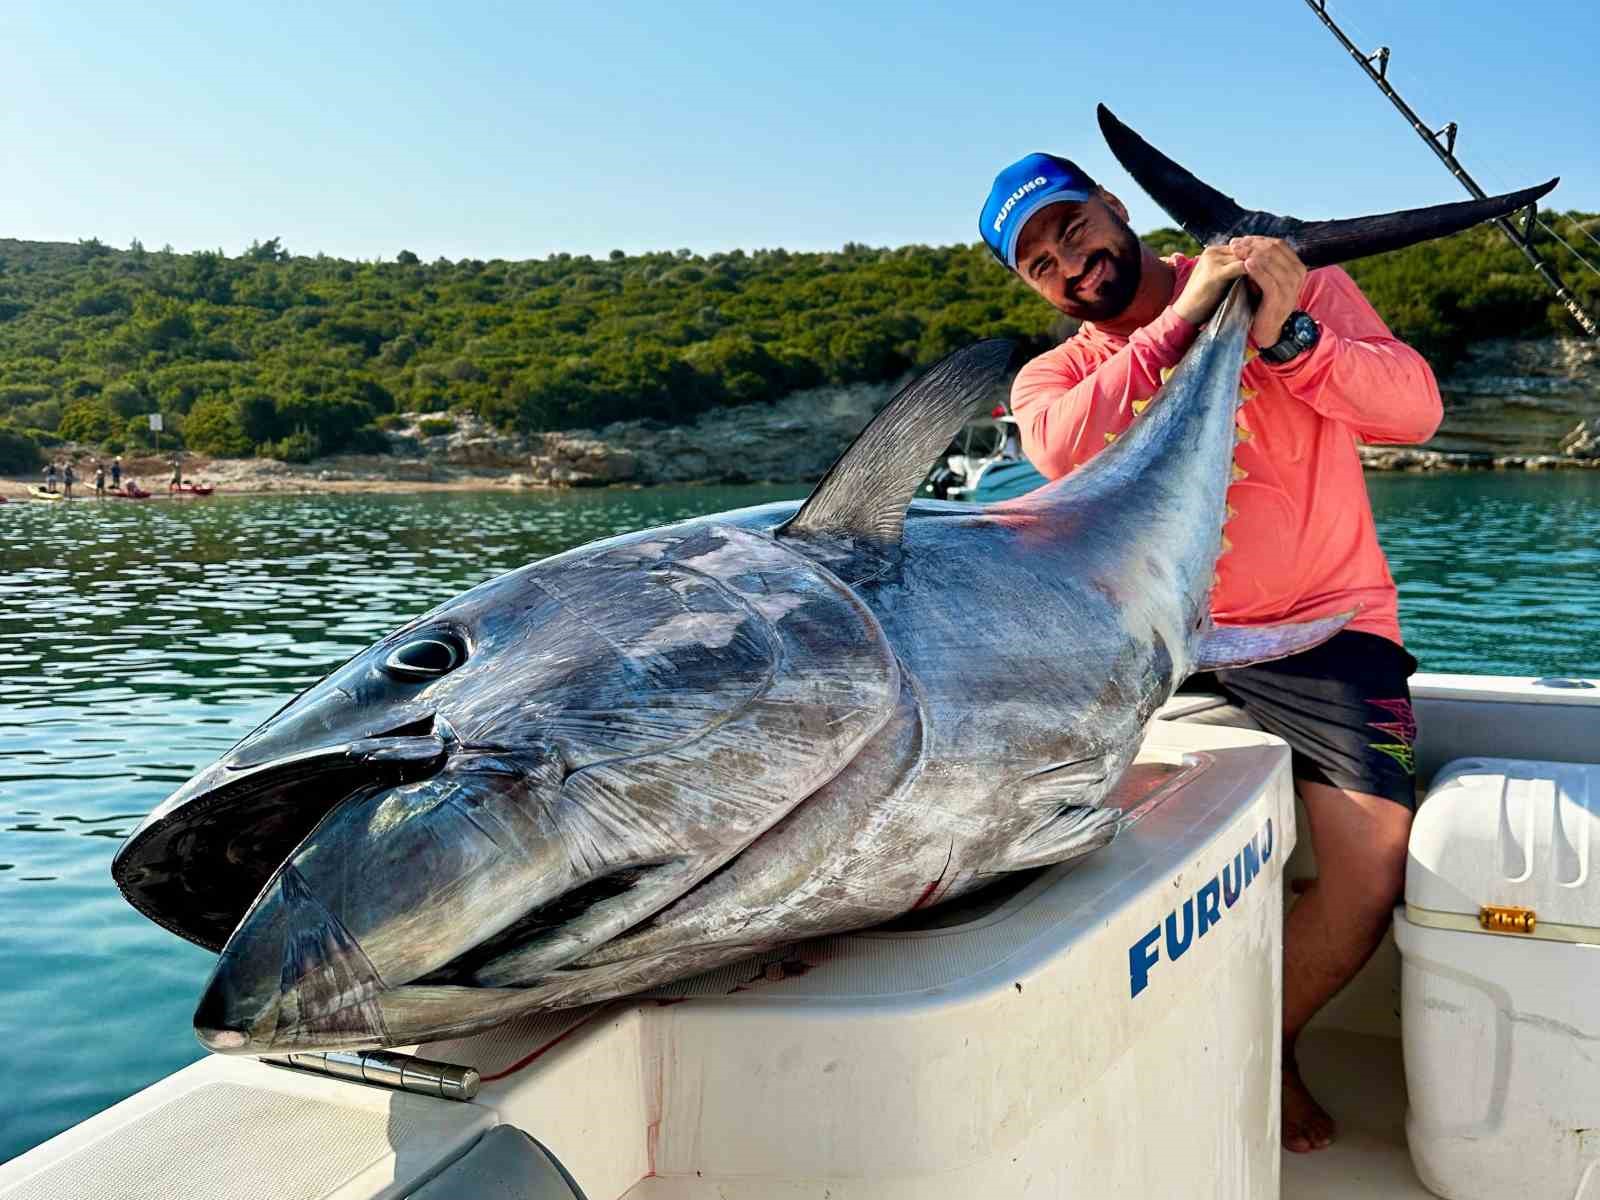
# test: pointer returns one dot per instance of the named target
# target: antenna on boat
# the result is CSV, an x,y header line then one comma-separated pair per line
x,y
1442,142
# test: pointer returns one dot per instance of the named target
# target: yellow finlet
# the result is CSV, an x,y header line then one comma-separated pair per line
x,y
1239,473
1250,353
1216,579
1241,434
1139,406
1110,437
1232,513
1247,394
1166,373
1226,544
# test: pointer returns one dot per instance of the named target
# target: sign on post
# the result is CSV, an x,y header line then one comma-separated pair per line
x,y
155,422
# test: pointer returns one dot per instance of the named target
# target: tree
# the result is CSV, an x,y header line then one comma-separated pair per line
x,y
213,427
19,453
87,421
407,259
269,251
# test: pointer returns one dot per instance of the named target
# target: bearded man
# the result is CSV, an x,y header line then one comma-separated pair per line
x,y
1328,374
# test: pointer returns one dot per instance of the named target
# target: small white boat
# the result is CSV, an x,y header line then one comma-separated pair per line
x,y
984,451
1109,1030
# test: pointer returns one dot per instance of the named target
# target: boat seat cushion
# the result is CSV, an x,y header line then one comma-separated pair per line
x,y
504,1164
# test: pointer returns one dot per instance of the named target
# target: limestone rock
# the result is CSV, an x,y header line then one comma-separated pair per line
x,y
1584,440
1520,397
576,460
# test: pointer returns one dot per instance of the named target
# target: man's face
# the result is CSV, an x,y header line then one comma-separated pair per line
x,y
1082,258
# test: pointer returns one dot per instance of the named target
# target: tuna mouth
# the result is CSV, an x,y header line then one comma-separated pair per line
x,y
335,1000
198,861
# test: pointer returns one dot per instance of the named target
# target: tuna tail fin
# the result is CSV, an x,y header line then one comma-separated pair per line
x,y
1211,217
865,493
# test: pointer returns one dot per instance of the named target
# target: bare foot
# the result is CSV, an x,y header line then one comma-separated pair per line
x,y
1306,1124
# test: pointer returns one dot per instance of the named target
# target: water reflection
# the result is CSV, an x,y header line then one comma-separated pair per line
x,y
1497,572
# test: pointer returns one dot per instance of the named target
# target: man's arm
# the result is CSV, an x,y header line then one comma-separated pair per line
x,y
1359,373
1066,408
1069,409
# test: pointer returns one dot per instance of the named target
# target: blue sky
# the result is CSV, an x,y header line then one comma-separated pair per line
x,y
515,130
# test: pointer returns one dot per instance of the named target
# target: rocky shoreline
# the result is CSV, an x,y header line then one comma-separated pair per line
x,y
1511,405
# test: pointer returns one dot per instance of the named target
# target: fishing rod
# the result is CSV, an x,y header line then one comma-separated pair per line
x,y
1442,142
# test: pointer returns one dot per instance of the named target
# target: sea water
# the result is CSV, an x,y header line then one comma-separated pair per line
x,y
138,641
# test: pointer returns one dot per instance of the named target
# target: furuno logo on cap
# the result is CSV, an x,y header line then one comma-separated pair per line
x,y
1011,200
1019,191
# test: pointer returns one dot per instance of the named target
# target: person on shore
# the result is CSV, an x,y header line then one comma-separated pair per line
x,y
176,483
116,472
68,478
1328,373
50,476
99,480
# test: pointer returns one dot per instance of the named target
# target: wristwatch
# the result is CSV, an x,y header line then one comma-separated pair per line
x,y
1300,333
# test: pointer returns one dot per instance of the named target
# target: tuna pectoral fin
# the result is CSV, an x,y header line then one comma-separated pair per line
x,y
1071,833
865,492
1239,646
1212,217
1069,827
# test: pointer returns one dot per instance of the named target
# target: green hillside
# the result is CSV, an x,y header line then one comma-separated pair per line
x,y
293,356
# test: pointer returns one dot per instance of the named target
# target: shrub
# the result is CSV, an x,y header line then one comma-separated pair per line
x,y
436,426
213,427
19,453
136,433
298,447
87,421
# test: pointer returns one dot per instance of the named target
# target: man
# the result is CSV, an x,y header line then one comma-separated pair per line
x,y
99,480
69,476
1328,374
116,473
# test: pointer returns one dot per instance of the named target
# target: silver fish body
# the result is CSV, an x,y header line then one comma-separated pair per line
x,y
673,748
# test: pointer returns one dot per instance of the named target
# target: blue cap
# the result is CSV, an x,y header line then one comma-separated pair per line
x,y
1021,190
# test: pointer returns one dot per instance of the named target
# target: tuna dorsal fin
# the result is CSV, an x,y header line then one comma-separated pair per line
x,y
1211,217
865,493
1239,646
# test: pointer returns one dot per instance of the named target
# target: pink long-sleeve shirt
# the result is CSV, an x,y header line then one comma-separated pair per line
x,y
1304,543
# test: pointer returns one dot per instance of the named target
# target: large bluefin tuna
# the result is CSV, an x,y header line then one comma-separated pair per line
x,y
659,752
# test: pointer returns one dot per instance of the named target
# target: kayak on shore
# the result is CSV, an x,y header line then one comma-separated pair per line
x,y
38,493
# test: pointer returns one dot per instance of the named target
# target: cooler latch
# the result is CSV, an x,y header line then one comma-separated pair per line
x,y
1506,918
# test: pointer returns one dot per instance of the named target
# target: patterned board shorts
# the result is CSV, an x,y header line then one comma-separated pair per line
x,y
1344,708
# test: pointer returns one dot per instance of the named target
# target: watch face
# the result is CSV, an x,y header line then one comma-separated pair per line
x,y
1305,329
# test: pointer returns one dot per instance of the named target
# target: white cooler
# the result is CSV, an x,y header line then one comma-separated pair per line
x,y
1500,988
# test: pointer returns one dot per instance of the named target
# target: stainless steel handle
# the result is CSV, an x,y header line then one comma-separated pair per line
x,y
384,1068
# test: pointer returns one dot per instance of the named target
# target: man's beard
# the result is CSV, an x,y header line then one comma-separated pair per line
x,y
1125,262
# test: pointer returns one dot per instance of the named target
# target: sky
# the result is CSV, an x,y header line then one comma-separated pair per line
x,y
472,130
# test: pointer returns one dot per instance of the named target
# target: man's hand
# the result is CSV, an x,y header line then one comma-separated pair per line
x,y
1278,275
1215,269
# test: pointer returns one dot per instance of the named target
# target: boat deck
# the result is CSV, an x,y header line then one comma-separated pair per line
x,y
1360,1079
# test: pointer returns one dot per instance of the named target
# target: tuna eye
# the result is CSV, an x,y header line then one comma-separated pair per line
x,y
425,657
